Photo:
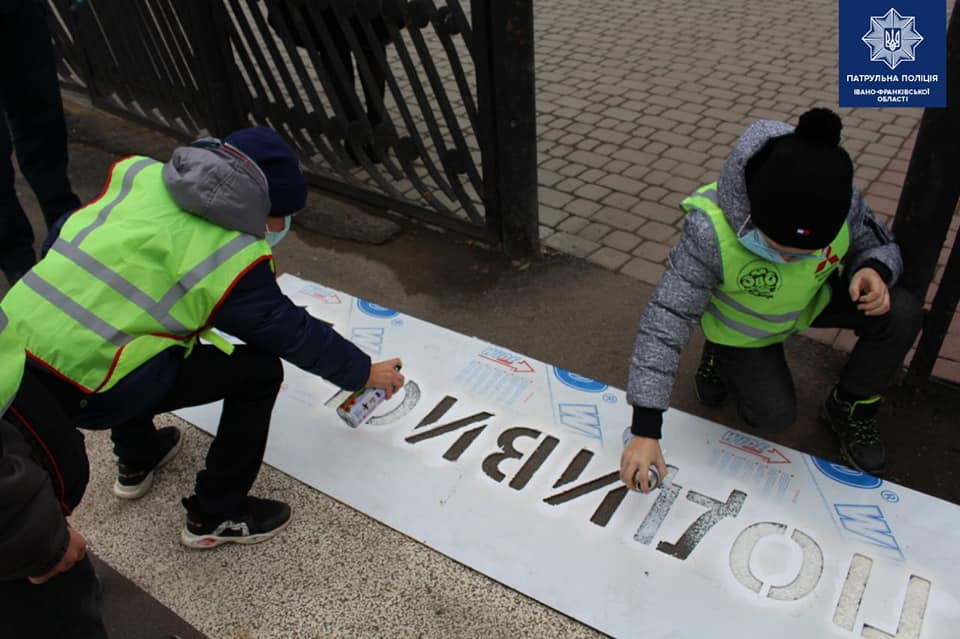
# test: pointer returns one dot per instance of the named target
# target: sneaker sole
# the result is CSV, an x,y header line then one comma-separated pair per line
x,y
141,489
206,542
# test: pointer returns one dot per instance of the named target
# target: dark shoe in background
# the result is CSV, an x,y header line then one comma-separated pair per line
x,y
855,425
711,390
134,482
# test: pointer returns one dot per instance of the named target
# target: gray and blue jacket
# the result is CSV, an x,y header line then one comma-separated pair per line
x,y
695,267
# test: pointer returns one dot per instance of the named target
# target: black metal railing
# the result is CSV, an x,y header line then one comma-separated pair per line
x,y
397,103
927,205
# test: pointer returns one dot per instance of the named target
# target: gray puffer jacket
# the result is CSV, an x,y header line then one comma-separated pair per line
x,y
695,268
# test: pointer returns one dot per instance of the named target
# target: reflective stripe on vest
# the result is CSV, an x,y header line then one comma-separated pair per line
x,y
11,363
759,302
131,275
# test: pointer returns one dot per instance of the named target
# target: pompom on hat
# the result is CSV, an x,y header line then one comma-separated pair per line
x,y
800,185
285,180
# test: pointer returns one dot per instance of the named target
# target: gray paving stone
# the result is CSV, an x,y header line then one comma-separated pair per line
x,y
595,231
553,198
662,213
550,216
573,224
571,244
619,219
643,270
621,240
608,258
652,251
569,185
622,184
582,208
655,231
590,191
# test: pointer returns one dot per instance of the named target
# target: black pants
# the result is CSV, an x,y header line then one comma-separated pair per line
x,y
65,606
247,381
759,379
31,110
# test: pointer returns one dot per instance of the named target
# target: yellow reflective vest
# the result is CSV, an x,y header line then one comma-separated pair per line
x,y
130,275
761,302
11,363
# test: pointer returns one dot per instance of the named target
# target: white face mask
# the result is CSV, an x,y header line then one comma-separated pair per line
x,y
273,237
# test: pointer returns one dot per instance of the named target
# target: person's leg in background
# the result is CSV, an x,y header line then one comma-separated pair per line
x,y
30,97
16,235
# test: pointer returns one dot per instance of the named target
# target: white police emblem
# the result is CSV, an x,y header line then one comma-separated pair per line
x,y
892,38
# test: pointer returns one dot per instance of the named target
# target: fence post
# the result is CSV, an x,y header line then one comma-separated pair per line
x,y
503,54
927,205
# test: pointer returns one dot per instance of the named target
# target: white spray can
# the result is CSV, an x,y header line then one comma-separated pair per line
x,y
652,475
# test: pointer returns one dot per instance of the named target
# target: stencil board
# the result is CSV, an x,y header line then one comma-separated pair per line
x,y
510,465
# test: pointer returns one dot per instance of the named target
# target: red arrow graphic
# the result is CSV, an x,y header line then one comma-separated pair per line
x,y
523,366
770,455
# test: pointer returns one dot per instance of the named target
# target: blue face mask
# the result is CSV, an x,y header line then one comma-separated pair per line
x,y
273,237
754,242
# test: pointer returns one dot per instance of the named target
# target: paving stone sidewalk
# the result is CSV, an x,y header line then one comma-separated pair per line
x,y
638,104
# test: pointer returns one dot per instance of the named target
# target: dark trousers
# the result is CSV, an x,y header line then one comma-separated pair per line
x,y
65,606
247,381
760,381
31,110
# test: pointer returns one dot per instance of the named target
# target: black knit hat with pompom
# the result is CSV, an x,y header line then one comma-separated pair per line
x,y
800,185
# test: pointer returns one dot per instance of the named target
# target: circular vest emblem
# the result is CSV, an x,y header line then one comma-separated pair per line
x,y
759,278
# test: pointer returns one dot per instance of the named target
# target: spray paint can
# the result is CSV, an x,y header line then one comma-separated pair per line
x,y
360,405
356,408
652,475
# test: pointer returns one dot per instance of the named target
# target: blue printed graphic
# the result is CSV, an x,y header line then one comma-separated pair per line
x,y
375,310
582,418
578,382
893,54
846,476
868,523
368,338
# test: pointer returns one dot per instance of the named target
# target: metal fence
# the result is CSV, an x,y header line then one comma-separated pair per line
x,y
397,103
928,203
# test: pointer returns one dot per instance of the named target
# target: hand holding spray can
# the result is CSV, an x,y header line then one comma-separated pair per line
x,y
356,408
653,476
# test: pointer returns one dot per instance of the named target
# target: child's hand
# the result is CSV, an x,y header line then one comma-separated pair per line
x,y
870,292
637,457
386,375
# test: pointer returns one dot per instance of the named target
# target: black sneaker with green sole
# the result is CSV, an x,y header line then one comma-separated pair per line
x,y
855,425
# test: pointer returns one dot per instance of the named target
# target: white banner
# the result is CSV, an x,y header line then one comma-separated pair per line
x,y
510,466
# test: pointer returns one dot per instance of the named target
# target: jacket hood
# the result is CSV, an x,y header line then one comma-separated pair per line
x,y
732,186
219,184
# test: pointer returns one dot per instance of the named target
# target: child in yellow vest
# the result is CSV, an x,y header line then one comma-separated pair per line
x,y
781,242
